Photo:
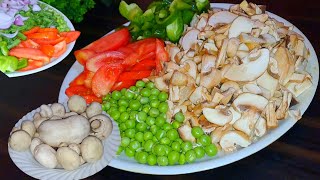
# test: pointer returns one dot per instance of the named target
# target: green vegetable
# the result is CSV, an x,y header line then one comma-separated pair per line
x,y
3,48
163,18
22,63
73,9
8,63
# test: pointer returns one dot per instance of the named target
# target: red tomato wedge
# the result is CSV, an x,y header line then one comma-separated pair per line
x,y
123,84
43,35
135,45
47,49
32,64
161,55
29,53
144,65
90,98
49,41
81,90
32,30
111,41
131,60
79,80
29,44
126,50
103,58
104,79
83,55
70,36
55,30
151,55
59,49
133,75
88,80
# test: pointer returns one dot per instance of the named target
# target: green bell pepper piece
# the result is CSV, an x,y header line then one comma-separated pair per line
x,y
132,11
175,29
168,20
179,5
8,63
4,48
148,15
187,16
202,5
22,63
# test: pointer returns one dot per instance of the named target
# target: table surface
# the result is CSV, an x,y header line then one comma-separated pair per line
x,y
296,155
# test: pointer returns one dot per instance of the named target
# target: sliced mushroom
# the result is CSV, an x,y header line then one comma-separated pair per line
x,y
185,133
185,92
268,82
295,114
189,39
222,53
261,17
270,113
202,23
198,95
244,5
232,47
260,127
222,17
247,121
217,133
246,100
240,25
217,116
191,68
250,71
298,88
211,78
208,61
282,111
235,115
174,93
231,139
285,65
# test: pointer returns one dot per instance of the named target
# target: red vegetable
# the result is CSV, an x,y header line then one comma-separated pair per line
x,y
29,53
29,44
133,75
103,58
111,41
144,65
123,84
70,36
43,35
47,49
32,30
32,64
59,49
83,55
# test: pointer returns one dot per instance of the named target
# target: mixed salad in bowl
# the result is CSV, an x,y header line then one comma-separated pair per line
x,y
31,34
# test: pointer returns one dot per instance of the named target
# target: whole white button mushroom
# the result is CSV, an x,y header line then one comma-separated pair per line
x,y
29,127
68,158
93,109
46,156
20,140
77,104
91,149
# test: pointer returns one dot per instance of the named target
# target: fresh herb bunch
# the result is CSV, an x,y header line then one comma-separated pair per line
x,y
73,9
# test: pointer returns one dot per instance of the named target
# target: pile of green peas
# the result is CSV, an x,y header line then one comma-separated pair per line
x,y
146,135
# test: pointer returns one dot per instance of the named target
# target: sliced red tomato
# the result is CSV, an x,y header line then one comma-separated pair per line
x,y
47,49
146,48
88,80
151,55
133,75
126,50
78,90
144,65
32,30
32,64
135,45
70,36
43,35
59,49
90,98
104,79
123,84
30,44
83,55
55,30
49,41
103,58
161,55
29,53
79,80
131,60
111,41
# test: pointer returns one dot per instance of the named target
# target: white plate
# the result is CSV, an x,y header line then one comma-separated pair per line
x,y
54,61
125,163
26,162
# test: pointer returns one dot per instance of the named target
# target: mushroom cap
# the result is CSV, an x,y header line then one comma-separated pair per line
x,y
29,127
77,104
58,109
34,143
93,109
91,149
222,17
46,156
240,25
68,158
20,140
246,100
231,139
217,116
104,128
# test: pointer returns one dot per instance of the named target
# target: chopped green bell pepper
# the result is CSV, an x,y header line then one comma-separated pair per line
x,y
22,63
4,48
8,63
175,29
202,4
132,11
187,16
179,5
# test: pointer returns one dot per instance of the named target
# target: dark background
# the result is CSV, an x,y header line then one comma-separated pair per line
x,y
293,156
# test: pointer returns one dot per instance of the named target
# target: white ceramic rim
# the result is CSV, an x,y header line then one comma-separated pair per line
x,y
54,61
127,164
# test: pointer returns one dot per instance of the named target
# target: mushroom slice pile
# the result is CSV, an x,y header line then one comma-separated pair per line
x,y
57,138
236,73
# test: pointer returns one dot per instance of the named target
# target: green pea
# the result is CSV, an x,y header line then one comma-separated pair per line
x,y
141,116
115,115
120,149
204,140
125,141
122,127
133,115
124,116
140,83
154,129
163,107
211,150
162,160
135,105
175,146
179,140
154,103
106,97
141,127
123,91
167,126
176,124
130,123
122,109
186,146
134,145
197,131
151,159
130,133
159,149
129,95
129,152
144,100
154,112
200,152
150,120
182,159
160,121
116,95
142,157
145,92
172,134
153,97
150,85
179,117
191,156
155,91
148,145
139,136
113,109
165,141
113,102
160,134
123,102
173,157
106,106
163,96
133,88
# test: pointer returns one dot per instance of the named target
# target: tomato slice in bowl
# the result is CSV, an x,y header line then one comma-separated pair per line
x,y
133,75
103,58
29,53
123,84
83,55
70,35
59,48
